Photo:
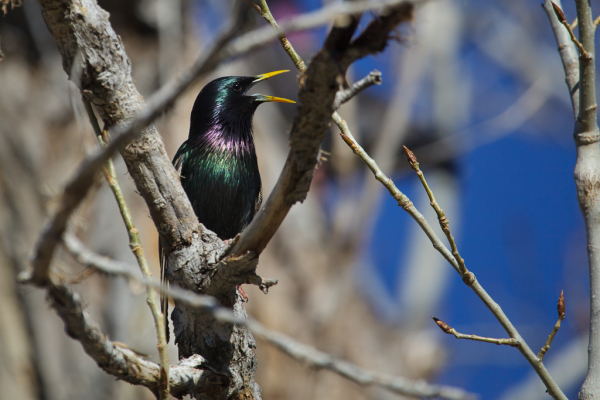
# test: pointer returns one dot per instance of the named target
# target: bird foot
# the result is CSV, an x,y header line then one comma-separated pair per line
x,y
242,293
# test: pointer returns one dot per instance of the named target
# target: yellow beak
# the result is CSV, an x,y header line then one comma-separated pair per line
x,y
262,97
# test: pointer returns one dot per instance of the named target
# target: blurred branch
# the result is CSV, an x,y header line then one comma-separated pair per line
x,y
374,78
451,331
135,244
561,315
302,353
568,54
318,360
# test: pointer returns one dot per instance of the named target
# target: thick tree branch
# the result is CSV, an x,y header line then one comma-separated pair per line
x,y
581,81
587,181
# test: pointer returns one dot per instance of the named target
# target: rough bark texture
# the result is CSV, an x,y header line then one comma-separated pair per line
x,y
95,60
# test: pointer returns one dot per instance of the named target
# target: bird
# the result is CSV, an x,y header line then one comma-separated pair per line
x,y
217,164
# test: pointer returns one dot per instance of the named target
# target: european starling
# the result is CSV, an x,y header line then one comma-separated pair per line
x,y
217,163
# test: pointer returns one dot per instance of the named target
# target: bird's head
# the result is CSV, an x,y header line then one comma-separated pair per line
x,y
224,102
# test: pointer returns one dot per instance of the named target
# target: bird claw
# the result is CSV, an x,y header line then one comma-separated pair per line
x,y
242,293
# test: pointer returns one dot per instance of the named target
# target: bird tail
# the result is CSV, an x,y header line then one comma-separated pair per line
x,y
164,298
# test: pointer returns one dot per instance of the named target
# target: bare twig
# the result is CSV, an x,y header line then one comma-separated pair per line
x,y
561,315
302,353
469,279
561,17
374,78
451,331
135,244
401,198
444,222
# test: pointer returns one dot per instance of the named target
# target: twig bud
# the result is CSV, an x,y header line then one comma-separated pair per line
x,y
559,13
410,156
561,305
443,326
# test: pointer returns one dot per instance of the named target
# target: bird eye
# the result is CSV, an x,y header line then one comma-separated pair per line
x,y
237,86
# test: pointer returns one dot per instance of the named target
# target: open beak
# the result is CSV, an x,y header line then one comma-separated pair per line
x,y
262,77
262,97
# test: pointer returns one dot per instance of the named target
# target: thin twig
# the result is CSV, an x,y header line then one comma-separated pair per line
x,y
561,315
451,331
574,23
300,352
444,222
563,20
374,78
266,14
470,280
135,244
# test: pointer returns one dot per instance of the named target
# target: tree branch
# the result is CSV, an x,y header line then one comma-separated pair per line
x,y
568,53
302,353
121,361
451,331
469,279
341,97
561,315
581,81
